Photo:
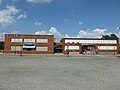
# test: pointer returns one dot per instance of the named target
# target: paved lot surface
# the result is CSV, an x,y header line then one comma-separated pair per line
x,y
58,72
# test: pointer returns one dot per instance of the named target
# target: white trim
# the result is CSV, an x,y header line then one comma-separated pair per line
x,y
92,41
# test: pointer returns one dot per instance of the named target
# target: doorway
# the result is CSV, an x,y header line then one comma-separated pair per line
x,y
57,48
88,49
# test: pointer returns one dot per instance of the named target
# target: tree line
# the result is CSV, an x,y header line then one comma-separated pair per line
x,y
111,36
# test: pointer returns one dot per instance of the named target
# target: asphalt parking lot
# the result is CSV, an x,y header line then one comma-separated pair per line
x,y
58,72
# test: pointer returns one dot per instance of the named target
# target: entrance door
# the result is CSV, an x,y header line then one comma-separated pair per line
x,y
88,49
58,49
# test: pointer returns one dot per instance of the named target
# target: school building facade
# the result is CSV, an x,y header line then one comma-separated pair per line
x,y
44,44
90,45
29,44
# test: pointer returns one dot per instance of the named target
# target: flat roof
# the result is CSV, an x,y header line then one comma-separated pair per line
x,y
87,39
28,35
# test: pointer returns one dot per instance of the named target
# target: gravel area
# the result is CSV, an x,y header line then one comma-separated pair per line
x,y
58,72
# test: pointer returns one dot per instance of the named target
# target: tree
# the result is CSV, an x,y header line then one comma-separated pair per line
x,y
1,45
111,36
105,36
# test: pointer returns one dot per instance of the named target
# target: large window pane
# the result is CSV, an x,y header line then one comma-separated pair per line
x,y
72,47
16,40
29,40
107,47
16,48
42,40
92,41
38,48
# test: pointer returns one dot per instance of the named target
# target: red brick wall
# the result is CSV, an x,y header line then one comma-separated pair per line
x,y
80,45
8,43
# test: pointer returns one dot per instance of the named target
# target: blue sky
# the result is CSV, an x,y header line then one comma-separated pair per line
x,y
63,18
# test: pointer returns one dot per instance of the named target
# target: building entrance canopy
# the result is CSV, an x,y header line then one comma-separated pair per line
x,y
29,46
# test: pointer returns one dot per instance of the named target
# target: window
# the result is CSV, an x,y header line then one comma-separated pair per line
x,y
16,40
41,48
16,48
29,40
42,40
107,47
72,47
93,41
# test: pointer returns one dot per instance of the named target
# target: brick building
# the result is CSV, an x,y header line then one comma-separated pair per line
x,y
29,44
90,45
44,44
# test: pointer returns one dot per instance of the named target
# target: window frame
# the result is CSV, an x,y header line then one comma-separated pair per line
x,y
29,40
16,40
42,40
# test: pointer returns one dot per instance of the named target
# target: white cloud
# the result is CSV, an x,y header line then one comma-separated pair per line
x,y
2,34
65,36
22,16
38,23
80,23
54,31
82,33
7,16
51,31
0,1
96,33
11,10
42,33
39,1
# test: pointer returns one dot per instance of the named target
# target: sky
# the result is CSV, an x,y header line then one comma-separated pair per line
x,y
61,18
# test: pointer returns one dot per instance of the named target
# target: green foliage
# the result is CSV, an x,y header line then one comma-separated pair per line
x,y
1,45
111,36
106,36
